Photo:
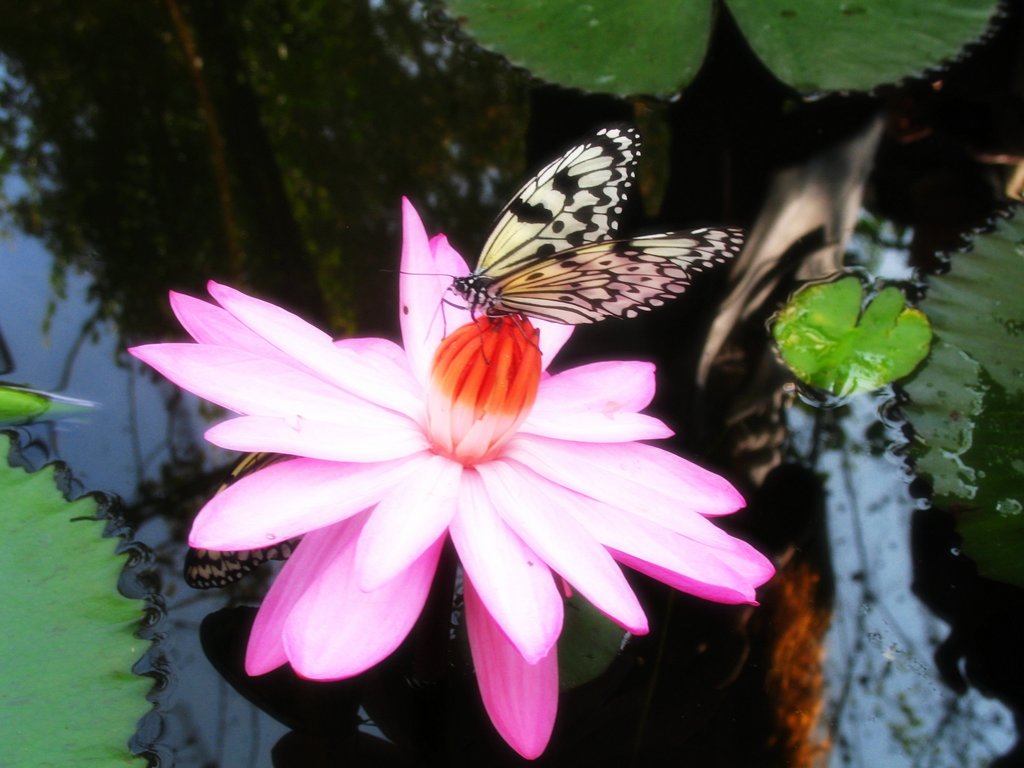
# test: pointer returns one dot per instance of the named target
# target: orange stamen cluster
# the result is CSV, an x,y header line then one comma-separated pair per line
x,y
483,383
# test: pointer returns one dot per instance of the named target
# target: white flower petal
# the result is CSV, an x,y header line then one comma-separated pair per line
x,y
595,427
407,520
537,512
514,583
520,698
315,350
376,440
640,478
290,498
336,630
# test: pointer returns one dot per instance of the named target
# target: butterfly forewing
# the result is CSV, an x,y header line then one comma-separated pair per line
x,y
573,201
616,278
207,568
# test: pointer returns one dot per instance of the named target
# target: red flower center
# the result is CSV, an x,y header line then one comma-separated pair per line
x,y
483,383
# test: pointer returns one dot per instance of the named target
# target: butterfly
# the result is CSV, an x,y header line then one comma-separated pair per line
x,y
207,568
553,254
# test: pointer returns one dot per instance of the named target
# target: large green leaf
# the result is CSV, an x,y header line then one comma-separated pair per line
x,y
646,46
830,340
68,694
967,402
818,45
947,398
657,46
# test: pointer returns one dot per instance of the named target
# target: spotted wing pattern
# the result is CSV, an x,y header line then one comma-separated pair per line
x,y
551,255
207,568
616,278
573,201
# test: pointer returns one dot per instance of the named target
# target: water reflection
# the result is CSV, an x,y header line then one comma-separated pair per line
x,y
153,146
882,697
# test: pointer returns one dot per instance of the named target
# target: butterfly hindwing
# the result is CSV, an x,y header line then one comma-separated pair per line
x,y
573,201
617,278
207,568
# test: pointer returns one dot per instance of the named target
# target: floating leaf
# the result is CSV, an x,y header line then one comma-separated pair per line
x,y
819,45
947,398
993,526
69,696
20,406
830,340
657,46
647,46
589,643
967,401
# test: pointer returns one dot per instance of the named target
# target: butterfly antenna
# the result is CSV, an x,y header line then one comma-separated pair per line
x,y
419,274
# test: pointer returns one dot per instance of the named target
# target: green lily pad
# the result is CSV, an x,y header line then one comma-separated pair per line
x,y
967,401
993,526
647,46
831,341
946,399
657,46
589,643
67,647
820,45
20,406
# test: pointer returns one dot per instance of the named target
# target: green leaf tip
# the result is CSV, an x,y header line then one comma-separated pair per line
x,y
19,405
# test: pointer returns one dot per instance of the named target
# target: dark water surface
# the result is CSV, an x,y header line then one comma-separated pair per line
x,y
152,146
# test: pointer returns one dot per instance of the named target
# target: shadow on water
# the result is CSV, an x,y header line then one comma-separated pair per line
x,y
154,146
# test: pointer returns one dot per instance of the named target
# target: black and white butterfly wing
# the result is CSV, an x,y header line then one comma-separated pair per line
x,y
616,278
207,568
573,201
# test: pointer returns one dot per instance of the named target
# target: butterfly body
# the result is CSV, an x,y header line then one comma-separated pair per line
x,y
476,290
552,254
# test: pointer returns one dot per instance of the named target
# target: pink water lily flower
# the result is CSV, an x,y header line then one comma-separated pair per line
x,y
532,475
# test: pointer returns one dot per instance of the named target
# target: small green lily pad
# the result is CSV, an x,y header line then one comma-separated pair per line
x,y
67,643
830,340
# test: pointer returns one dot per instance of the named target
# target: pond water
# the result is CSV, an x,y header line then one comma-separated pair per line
x,y
268,146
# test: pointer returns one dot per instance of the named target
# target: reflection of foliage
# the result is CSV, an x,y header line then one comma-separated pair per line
x,y
795,678
122,165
